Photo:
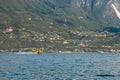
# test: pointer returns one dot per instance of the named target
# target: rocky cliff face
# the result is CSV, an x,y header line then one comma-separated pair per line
x,y
107,11
101,10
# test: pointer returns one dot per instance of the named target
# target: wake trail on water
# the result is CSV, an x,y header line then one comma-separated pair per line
x,y
23,53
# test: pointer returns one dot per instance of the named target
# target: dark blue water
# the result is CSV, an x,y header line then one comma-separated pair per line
x,y
51,66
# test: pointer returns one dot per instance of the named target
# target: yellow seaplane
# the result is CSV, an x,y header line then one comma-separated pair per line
x,y
37,51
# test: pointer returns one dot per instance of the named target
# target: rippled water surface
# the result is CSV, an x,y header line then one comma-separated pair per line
x,y
51,66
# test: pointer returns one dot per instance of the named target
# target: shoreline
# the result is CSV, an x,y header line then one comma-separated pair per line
x,y
63,52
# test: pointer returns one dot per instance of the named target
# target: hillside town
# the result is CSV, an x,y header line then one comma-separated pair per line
x,y
74,41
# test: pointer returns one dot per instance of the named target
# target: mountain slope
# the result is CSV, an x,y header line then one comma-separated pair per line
x,y
47,23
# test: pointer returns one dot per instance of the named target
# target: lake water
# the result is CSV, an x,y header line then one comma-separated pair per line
x,y
51,66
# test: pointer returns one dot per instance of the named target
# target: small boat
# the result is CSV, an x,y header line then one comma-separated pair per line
x,y
37,51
